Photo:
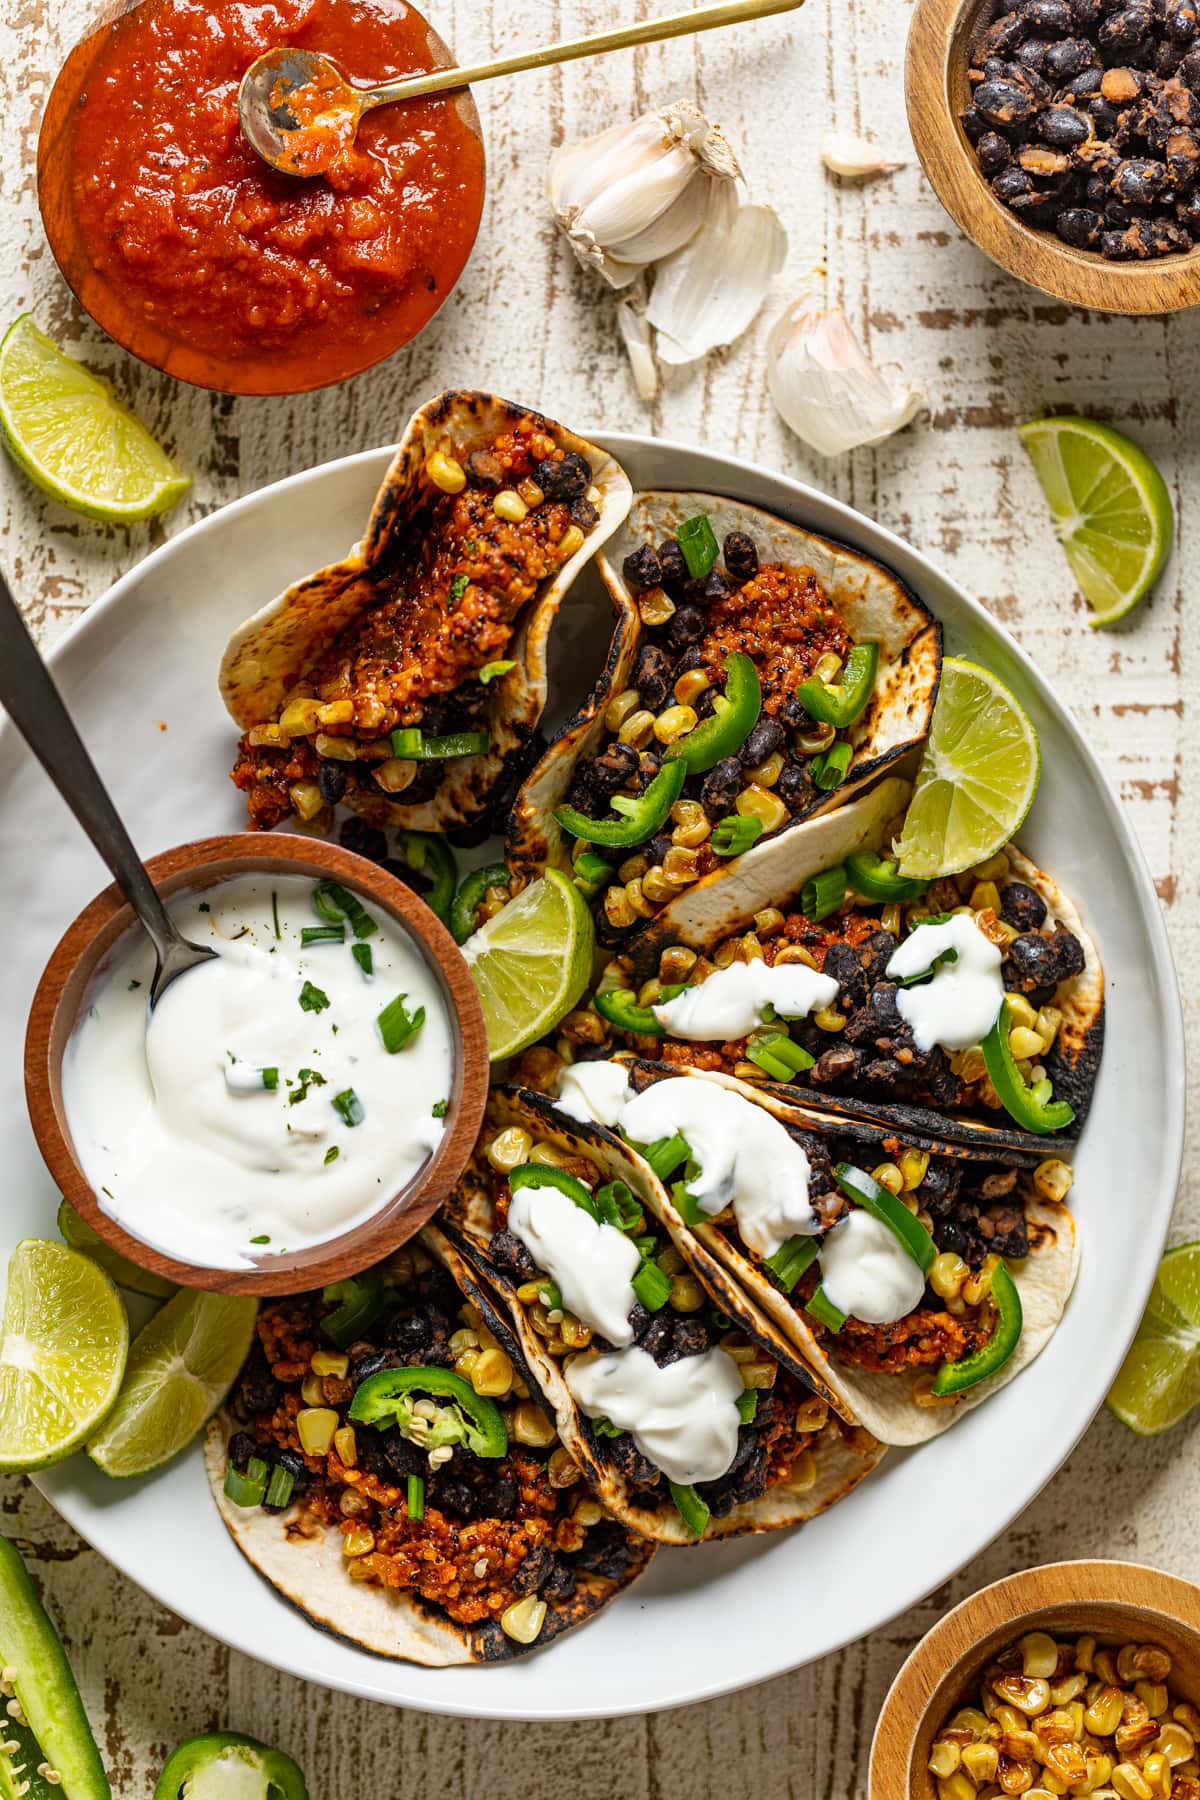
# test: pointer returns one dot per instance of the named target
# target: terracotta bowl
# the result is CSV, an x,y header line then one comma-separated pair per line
x,y
192,868
1115,1602
940,40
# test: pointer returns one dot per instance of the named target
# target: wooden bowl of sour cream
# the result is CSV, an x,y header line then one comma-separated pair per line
x,y
187,1237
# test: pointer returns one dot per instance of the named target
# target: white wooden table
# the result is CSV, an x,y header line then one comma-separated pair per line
x,y
524,320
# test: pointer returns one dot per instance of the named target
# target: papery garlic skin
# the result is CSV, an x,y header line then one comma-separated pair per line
x,y
856,158
639,345
638,191
709,292
826,388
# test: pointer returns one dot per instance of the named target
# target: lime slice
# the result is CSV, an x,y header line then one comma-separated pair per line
x,y
531,962
1111,509
72,436
1159,1381
63,1344
977,778
79,1234
181,1367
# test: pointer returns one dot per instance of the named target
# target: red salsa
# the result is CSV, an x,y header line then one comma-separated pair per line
x,y
251,280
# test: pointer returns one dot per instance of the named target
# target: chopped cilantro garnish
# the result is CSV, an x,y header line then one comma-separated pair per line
x,y
332,1154
441,1108
458,587
264,1239
308,1078
312,999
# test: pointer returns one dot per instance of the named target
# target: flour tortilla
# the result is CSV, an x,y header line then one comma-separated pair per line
x,y
875,605
843,1456
303,1560
273,650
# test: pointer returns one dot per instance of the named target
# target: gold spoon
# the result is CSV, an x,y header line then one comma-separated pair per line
x,y
299,111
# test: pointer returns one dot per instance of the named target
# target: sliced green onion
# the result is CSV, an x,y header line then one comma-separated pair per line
x,y
747,1405
332,1154
665,1155
416,1498
322,934
279,1488
829,769
790,1261
949,955
270,1078
334,902
411,743
592,874
691,1508
698,543
794,1057
822,894
821,1307
397,1026
248,1489
770,1065
312,999
490,671
687,1205
348,1104
364,956
605,1428
652,1287
735,834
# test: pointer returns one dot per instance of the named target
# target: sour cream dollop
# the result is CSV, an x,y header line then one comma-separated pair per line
x,y
960,1005
684,1417
866,1271
219,1129
592,1263
732,1001
594,1092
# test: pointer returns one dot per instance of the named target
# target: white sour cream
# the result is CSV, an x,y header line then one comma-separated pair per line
x,y
684,1417
184,1145
592,1263
747,1160
959,1006
594,1092
734,1000
866,1271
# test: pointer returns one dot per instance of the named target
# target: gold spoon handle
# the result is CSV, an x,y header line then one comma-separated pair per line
x,y
621,37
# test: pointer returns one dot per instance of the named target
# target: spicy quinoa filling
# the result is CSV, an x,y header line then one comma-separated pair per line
x,y
409,685
494,1534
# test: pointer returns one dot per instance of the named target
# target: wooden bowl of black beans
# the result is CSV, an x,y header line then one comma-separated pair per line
x,y
1063,136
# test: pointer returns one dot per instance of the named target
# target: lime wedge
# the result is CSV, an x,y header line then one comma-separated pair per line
x,y
79,1234
977,779
1159,1381
1111,509
72,436
531,962
181,1367
63,1343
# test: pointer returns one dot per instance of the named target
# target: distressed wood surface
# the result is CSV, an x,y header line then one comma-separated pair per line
x,y
989,352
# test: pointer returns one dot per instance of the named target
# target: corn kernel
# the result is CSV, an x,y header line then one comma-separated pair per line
x,y
797,953
827,668
492,1374
617,909
913,1166
946,1277
767,772
1103,1716
307,800
754,1374
756,802
687,1296
985,897
828,1018
312,1391
655,886
981,1762
690,685
1188,1716
979,1284
1068,1689
1129,1782
633,866
509,1148
656,606
888,1175
640,901
956,1787
336,712
812,1414
394,774
676,964
1175,1743
300,718
815,737
446,472
1152,1662
769,922
562,1469
996,868
358,1541
693,835
944,1758
523,1620
1068,1762
346,1445
675,722
1020,1012
530,492
1024,1043
588,1513
1156,1772
532,1426
315,1426
620,707
509,506
1047,1024
571,542
1153,1696
680,866
1028,1696
262,736
637,730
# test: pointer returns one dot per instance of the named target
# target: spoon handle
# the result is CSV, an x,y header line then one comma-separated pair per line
x,y
620,37
28,694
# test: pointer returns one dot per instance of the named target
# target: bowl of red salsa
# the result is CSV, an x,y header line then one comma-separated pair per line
x,y
195,256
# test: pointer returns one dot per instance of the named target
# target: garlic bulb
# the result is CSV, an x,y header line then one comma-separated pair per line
x,y
856,157
827,389
639,191
709,292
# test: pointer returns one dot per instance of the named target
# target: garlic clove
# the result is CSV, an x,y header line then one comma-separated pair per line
x,y
856,158
636,336
708,293
826,388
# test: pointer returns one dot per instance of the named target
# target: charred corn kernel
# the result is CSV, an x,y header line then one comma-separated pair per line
x,y
550,1156
656,606
446,472
1156,1772
637,729
680,865
1030,1696
812,1414
690,837
588,1513
944,1758
1068,1689
1020,1012
985,896
1014,1776
767,772
828,667
1053,1179
754,1374
1127,1668
262,736
315,1426
687,1296
690,686
946,1277
969,1718
617,909
1047,1025
1175,1743
1099,1768
583,1027
670,1261
311,1391
675,722
640,901
633,866
492,1374
980,1762
756,802
358,1541
888,1175
650,992
978,1285
394,774
352,1504
306,800
828,1018
1129,1782
1068,1762
1188,1716
748,949
804,1473
1024,1043
769,922
330,1362
523,1620
913,1166
655,886
509,506
1085,1650
620,707
346,1445
1153,1696
797,953
1152,1662
530,492
971,1066
571,541
1059,1726
891,918
575,1334
532,1426
1103,1716
336,712
676,964
562,1469
300,718
509,1148
956,1787
815,737
1104,1664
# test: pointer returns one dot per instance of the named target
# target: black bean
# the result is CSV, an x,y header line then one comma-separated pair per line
x,y
722,785
1104,116
1124,30
1002,36
1189,69
670,561
534,1569
1081,86
994,67
565,480
973,123
692,1337
686,627
717,586
484,469
835,1065
994,153
658,1339
1032,962
1022,906
1179,21
658,846
402,1458
652,676
612,768
511,1257
1183,157
1011,184
1138,181
1005,102
607,1550
1070,56
1187,211
561,1582
795,787
456,1498
332,778
741,556
841,962
409,1329
765,738
241,1448
1063,127
498,1499
258,1390
1032,54
1043,163
1080,226
1053,17
642,568
584,514
371,1364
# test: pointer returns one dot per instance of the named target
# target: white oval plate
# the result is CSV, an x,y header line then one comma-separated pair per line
x,y
139,671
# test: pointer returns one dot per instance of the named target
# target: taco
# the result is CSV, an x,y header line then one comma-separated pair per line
x,y
387,1496
839,1006
687,1410
915,1277
399,680
767,689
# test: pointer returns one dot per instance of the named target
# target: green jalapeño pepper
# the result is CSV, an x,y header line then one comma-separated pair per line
x,y
357,1302
619,1006
1031,1107
877,878
430,857
733,718
225,1763
883,1205
840,705
386,1398
412,744
470,893
956,1377
641,815
52,1727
